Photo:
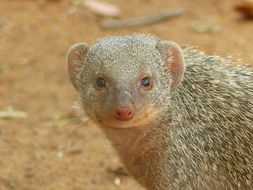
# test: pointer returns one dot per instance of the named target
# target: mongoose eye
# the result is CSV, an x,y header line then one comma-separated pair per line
x,y
146,83
100,83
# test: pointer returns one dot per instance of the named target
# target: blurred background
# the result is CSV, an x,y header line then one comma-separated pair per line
x,y
44,143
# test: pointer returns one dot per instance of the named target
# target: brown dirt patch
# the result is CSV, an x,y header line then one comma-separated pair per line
x,y
42,151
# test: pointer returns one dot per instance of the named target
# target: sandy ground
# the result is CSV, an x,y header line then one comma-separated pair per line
x,y
51,149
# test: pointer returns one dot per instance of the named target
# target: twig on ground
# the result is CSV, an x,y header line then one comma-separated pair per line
x,y
167,14
12,114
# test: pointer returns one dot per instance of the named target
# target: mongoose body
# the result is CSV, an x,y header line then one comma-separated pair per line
x,y
179,119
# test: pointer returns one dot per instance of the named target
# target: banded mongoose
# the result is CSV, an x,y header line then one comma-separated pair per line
x,y
178,118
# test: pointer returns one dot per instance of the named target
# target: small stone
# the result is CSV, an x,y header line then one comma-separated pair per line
x,y
117,181
60,154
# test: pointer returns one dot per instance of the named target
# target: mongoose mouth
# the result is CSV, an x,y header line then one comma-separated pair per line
x,y
139,120
110,122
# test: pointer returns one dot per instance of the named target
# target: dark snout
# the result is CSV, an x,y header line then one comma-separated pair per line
x,y
124,108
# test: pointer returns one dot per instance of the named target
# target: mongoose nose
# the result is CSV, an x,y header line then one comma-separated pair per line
x,y
123,113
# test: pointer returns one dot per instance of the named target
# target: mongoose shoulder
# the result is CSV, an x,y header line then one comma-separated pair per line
x,y
179,119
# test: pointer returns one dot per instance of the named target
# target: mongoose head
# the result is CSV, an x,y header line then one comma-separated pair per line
x,y
125,81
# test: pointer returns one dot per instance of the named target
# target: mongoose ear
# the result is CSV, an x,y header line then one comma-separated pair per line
x,y
75,58
173,58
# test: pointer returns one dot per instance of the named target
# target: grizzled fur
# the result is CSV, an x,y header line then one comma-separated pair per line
x,y
113,57
197,136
